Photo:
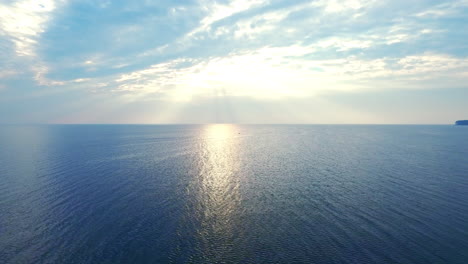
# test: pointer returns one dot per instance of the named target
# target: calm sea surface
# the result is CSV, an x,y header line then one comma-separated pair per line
x,y
233,194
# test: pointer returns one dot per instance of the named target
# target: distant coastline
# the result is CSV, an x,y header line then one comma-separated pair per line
x,y
461,123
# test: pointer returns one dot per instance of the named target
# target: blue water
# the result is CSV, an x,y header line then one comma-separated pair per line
x,y
233,194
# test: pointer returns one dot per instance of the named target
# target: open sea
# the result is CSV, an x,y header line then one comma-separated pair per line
x,y
234,194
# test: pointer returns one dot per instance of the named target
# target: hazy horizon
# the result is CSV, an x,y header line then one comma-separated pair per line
x,y
227,123
253,124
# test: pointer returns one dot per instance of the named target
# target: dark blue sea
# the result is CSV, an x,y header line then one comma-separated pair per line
x,y
234,194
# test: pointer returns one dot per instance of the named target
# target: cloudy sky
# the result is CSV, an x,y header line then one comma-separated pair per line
x,y
236,61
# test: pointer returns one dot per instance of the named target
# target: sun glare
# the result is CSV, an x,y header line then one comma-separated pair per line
x,y
219,131
218,189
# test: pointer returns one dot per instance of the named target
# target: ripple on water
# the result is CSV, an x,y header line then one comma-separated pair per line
x,y
233,194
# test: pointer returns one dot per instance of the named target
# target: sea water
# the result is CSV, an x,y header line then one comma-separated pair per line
x,y
233,194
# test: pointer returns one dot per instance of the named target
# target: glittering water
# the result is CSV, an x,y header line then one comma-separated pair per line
x,y
233,194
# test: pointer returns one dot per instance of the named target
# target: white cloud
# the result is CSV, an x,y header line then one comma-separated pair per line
x,y
214,12
218,11
269,71
23,21
334,6
260,24
276,72
7,73
259,50
41,71
449,8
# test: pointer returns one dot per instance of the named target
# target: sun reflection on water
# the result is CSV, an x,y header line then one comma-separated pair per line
x,y
219,131
218,195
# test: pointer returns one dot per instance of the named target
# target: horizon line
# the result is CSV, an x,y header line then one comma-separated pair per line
x,y
169,124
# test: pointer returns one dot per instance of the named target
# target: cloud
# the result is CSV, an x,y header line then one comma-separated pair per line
x,y
265,50
450,8
278,72
335,6
7,73
23,21
217,12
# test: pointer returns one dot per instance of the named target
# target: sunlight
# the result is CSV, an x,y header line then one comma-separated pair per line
x,y
218,194
266,74
247,75
219,131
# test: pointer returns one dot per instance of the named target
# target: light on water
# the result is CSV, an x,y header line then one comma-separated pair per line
x,y
217,191
233,194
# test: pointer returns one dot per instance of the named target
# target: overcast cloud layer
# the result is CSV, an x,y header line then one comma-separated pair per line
x,y
248,61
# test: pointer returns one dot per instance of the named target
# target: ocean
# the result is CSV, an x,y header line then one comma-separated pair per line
x,y
234,194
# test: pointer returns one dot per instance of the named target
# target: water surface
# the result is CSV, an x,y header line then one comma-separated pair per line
x,y
233,194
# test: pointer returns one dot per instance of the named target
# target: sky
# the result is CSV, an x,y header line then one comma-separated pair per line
x,y
234,61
